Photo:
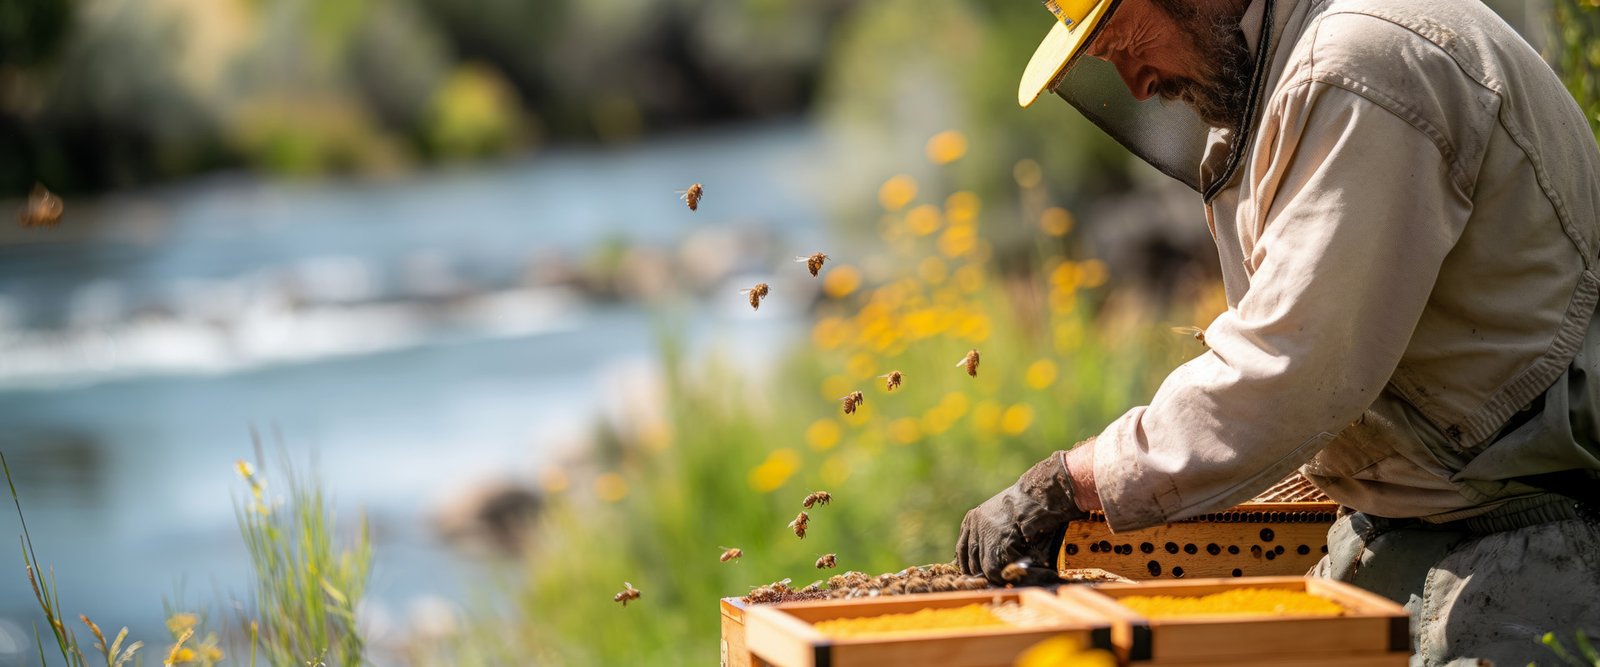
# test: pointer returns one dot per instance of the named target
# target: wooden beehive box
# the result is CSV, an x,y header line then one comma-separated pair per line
x,y
1283,531
734,652
1373,631
783,635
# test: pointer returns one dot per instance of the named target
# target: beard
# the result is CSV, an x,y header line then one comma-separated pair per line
x,y
1220,91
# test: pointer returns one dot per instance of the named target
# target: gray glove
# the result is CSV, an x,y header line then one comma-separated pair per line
x,y
1026,521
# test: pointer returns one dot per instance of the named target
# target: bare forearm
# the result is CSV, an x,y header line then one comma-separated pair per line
x,y
1080,468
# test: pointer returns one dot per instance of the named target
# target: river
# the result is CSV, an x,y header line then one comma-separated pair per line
x,y
389,330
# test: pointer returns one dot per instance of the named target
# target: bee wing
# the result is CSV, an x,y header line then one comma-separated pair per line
x,y
785,581
802,259
1187,331
961,363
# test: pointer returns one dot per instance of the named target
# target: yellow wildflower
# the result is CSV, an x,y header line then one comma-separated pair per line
x,y
179,622
610,487
897,192
962,208
932,270
1056,221
954,405
773,472
212,654
180,655
841,281
1093,273
946,147
986,416
830,332
1027,173
904,431
974,327
1064,276
1040,374
957,241
935,421
244,469
1016,419
924,220
822,434
862,366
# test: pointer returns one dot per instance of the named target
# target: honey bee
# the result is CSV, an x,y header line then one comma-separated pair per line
x,y
1015,571
971,362
799,525
1196,332
628,594
817,498
892,379
851,401
827,561
814,262
692,196
731,553
756,294
42,210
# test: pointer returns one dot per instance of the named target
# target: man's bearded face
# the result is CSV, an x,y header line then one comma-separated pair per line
x,y
1182,51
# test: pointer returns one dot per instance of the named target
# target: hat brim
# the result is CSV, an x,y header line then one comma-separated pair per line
x,y
1059,50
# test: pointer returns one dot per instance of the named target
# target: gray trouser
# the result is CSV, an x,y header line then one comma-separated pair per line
x,y
1476,596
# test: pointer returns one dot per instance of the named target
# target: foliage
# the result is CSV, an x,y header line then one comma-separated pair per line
x,y
1577,25
306,589
1586,655
48,595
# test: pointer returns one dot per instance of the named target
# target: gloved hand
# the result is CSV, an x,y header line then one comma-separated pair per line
x,y
1025,521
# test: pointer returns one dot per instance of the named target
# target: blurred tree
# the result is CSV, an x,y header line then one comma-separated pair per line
x,y
1577,38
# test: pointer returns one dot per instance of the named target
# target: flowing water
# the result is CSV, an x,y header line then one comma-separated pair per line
x,y
396,332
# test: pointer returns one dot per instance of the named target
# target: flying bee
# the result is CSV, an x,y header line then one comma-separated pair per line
x,y
814,262
851,401
628,593
692,196
42,210
1195,332
816,498
1015,571
970,361
731,553
827,561
756,294
799,525
892,379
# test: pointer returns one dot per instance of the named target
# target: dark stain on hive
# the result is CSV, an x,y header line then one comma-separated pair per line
x,y
1154,567
1233,549
1266,535
1147,547
1255,551
1303,550
1072,549
1177,572
1238,572
1172,547
1191,549
1213,549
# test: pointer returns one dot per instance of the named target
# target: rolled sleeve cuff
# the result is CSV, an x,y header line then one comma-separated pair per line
x,y
1132,499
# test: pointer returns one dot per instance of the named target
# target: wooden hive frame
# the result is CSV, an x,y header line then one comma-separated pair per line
x,y
1373,630
1283,531
783,635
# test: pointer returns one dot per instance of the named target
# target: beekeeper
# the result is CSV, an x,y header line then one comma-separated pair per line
x,y
1406,205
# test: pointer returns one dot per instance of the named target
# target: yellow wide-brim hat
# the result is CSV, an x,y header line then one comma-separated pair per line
x,y
1077,22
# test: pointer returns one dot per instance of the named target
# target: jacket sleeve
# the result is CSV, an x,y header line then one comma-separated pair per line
x,y
1356,208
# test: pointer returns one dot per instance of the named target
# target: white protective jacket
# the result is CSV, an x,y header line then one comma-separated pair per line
x,y
1408,247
